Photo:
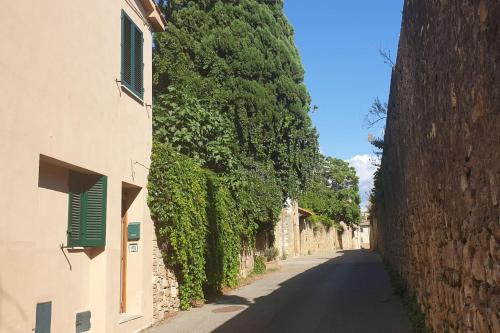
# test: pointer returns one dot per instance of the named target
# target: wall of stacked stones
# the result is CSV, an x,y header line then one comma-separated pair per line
x,y
317,239
165,286
437,220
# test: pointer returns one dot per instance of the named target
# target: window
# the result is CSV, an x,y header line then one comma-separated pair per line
x,y
132,66
87,210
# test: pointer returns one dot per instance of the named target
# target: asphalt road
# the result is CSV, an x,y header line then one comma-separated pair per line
x,y
346,292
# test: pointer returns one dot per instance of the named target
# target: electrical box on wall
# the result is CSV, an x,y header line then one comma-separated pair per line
x,y
134,231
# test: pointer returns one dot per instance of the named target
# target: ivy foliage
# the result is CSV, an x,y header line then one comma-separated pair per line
x,y
333,195
204,220
259,202
177,200
232,132
225,229
229,91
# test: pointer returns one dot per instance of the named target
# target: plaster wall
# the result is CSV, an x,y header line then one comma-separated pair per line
x,y
59,62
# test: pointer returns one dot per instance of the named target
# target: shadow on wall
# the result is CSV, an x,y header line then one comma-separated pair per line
x,y
350,293
7,299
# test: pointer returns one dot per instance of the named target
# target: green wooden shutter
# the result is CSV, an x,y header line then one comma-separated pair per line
x,y
75,211
132,57
127,30
95,213
138,65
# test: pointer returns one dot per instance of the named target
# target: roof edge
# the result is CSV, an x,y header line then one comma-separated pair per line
x,y
155,16
304,212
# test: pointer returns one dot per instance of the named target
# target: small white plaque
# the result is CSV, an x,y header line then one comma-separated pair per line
x,y
134,247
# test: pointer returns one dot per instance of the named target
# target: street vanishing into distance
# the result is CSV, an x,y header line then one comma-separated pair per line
x,y
345,292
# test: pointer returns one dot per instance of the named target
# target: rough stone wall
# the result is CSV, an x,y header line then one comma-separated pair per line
x,y
317,240
165,286
348,238
286,231
437,217
247,261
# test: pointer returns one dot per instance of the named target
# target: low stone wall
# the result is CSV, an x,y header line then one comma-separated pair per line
x,y
165,286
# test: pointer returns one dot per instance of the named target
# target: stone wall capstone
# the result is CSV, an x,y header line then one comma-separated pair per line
x,y
437,218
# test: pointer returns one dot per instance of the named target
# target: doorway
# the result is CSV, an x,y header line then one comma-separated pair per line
x,y
123,253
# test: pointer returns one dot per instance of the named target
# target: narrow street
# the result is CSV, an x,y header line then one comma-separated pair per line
x,y
344,292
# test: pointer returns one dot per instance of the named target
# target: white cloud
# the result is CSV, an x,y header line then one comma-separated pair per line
x,y
365,167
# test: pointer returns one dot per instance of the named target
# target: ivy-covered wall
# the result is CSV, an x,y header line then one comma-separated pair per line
x,y
203,225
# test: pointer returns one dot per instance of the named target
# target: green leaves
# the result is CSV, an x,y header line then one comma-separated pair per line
x,y
229,97
228,87
204,219
334,193
185,124
177,200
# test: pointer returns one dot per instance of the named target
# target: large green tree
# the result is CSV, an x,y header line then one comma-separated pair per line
x,y
229,91
333,195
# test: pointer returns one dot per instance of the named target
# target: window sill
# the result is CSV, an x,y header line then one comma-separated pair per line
x,y
132,94
126,317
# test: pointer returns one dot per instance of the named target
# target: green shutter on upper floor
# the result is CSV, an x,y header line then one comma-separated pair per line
x,y
132,66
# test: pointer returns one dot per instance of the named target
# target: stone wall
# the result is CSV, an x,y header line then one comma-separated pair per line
x,y
165,286
246,261
437,215
348,238
317,239
286,231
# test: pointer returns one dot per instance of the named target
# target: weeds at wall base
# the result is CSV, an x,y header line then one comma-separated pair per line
x,y
400,288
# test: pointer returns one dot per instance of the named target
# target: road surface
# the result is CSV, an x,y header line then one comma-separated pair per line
x,y
345,292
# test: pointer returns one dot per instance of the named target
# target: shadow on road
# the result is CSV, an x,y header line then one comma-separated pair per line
x,y
349,293
231,300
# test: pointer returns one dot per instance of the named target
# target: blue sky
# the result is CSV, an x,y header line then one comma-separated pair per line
x,y
339,42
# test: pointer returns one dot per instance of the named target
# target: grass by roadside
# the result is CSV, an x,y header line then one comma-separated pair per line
x,y
252,277
400,288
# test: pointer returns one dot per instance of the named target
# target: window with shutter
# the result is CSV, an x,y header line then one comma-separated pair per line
x,y
95,221
87,210
75,211
132,62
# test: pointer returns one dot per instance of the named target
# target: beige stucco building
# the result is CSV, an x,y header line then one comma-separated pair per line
x,y
75,140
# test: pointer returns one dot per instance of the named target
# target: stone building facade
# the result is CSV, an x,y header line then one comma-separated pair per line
x,y
437,218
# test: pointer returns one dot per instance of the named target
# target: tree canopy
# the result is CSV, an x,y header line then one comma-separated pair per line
x,y
333,195
229,91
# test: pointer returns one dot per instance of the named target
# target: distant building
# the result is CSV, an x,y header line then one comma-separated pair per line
x,y
75,142
363,232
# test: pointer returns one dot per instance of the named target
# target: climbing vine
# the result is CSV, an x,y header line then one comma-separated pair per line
x,y
204,218
224,237
177,201
233,134
229,90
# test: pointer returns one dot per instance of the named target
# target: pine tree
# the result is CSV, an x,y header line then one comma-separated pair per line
x,y
229,90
